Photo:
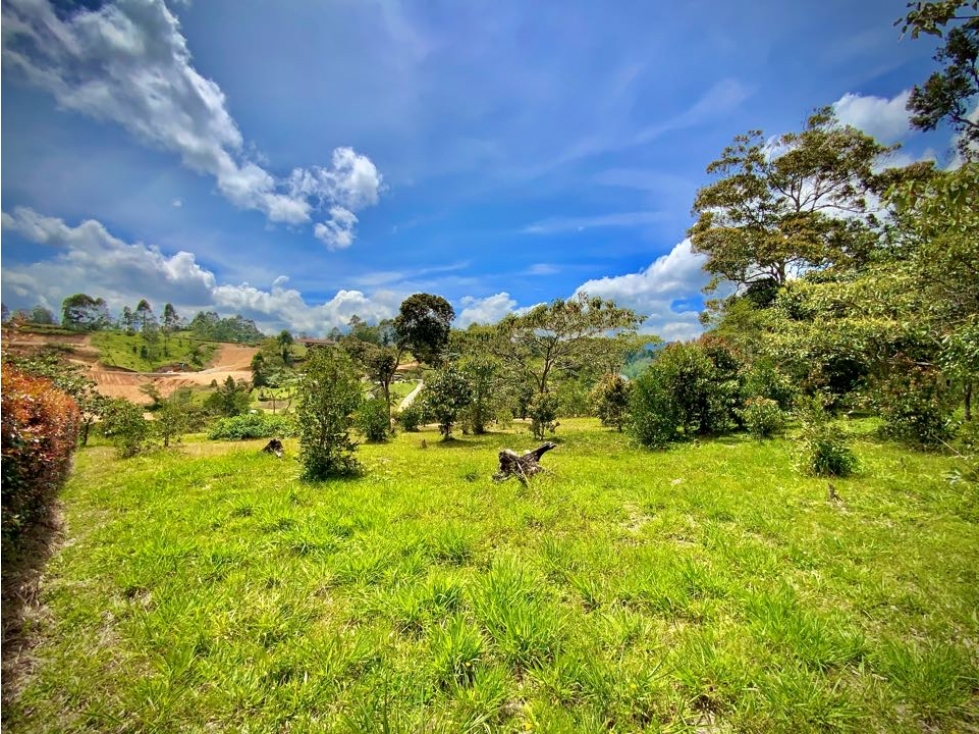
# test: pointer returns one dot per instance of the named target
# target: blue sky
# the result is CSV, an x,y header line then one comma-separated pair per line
x,y
300,162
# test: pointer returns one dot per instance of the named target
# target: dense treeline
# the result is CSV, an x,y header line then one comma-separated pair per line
x,y
84,313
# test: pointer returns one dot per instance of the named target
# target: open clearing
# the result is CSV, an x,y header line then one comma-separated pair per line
x,y
709,588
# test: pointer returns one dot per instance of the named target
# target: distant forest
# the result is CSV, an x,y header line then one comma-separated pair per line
x,y
83,313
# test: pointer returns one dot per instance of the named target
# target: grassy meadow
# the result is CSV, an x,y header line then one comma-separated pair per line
x,y
709,588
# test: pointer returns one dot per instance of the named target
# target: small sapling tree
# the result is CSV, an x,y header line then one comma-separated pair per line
x,y
331,394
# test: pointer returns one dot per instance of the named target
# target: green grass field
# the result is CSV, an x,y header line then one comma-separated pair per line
x,y
706,589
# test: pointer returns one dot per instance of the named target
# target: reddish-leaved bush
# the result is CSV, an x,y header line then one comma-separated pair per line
x,y
40,432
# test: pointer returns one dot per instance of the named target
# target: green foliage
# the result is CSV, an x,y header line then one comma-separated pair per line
x,y
124,425
654,415
565,336
230,399
423,325
542,411
173,417
772,210
826,448
445,395
573,395
763,418
40,432
373,421
252,425
948,95
84,313
330,395
915,408
285,341
482,373
610,400
117,349
764,380
209,326
705,394
412,417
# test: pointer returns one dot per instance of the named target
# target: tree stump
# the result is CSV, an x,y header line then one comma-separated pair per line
x,y
522,467
274,447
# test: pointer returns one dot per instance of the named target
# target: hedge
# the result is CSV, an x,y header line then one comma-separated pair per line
x,y
40,433
252,425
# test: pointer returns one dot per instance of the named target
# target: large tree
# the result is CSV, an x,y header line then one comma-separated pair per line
x,y
422,325
84,313
784,206
948,95
171,323
561,337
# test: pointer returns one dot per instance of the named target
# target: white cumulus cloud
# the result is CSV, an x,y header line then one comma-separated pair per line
x,y
128,63
885,119
487,310
89,259
673,278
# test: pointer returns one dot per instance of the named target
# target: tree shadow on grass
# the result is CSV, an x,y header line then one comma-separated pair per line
x,y
24,562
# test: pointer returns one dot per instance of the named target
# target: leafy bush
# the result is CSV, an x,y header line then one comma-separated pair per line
x,y
763,418
231,398
40,432
445,396
542,412
826,450
124,425
915,410
690,389
411,417
653,413
705,395
252,425
610,400
483,375
372,420
764,380
331,393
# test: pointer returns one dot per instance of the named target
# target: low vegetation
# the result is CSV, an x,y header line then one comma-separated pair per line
x,y
40,433
130,351
252,425
707,587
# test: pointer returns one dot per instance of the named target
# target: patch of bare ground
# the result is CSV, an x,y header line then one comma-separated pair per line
x,y
24,613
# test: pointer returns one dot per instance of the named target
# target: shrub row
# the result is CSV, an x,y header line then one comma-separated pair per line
x,y
252,425
40,432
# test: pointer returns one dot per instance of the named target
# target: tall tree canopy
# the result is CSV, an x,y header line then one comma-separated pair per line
x,y
423,324
796,203
85,313
561,337
948,95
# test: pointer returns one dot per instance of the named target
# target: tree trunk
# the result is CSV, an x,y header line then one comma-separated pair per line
x,y
968,401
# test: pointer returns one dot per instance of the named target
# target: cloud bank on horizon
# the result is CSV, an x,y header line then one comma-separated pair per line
x,y
514,171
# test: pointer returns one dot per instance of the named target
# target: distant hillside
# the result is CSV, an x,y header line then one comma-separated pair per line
x,y
134,352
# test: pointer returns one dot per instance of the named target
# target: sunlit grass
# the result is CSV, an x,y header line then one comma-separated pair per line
x,y
707,588
117,349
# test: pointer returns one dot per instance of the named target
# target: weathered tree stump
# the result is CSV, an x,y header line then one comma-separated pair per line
x,y
274,447
522,467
